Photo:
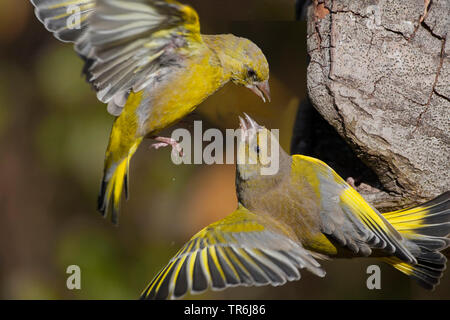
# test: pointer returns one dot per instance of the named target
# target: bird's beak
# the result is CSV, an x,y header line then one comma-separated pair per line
x,y
261,89
248,124
252,123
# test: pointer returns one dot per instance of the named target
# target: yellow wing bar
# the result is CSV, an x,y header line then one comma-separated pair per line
x,y
241,250
346,216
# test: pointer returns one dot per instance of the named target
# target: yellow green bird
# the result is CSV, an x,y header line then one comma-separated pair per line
x,y
290,220
148,61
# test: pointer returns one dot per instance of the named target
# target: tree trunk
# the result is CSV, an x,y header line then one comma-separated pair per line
x,y
379,73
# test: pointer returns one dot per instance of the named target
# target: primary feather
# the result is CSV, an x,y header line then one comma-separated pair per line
x,y
124,42
242,249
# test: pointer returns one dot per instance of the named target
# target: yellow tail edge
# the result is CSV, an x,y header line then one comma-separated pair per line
x,y
427,226
111,190
115,180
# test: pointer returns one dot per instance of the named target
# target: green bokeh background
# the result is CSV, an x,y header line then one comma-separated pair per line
x,y
53,134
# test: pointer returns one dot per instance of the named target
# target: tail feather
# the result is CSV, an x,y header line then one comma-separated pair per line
x,y
427,226
427,274
433,243
126,180
115,180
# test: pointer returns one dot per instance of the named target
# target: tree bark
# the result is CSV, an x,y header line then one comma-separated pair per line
x,y
379,73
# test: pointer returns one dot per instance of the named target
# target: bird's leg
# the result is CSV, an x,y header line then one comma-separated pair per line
x,y
362,187
351,182
165,142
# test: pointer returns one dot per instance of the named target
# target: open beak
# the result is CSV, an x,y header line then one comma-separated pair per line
x,y
248,124
261,89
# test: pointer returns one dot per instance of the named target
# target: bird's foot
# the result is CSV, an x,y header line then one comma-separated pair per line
x,y
362,187
351,182
165,142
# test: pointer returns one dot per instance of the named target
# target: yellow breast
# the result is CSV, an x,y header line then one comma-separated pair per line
x,y
187,88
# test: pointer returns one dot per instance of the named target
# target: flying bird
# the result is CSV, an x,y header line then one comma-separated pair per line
x,y
148,61
288,221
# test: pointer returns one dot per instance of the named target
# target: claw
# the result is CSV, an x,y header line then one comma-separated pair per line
x,y
351,182
165,142
158,145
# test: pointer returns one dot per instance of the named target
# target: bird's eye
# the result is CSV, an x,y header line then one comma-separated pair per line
x,y
251,74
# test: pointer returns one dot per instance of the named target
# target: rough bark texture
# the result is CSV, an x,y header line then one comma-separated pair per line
x,y
379,73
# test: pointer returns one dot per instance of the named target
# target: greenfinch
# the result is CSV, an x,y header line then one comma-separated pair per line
x,y
148,61
290,220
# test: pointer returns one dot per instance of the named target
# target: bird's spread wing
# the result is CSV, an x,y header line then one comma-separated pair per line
x,y
346,216
127,44
242,249
66,19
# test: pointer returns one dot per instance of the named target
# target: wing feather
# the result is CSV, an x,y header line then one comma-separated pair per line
x,y
126,43
57,17
241,250
346,216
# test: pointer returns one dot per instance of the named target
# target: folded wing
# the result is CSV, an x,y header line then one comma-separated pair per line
x,y
346,216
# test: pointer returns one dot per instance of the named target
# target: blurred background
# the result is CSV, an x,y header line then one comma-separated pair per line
x,y
53,134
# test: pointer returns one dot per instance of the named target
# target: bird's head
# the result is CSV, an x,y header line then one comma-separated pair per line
x,y
259,153
253,71
244,61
